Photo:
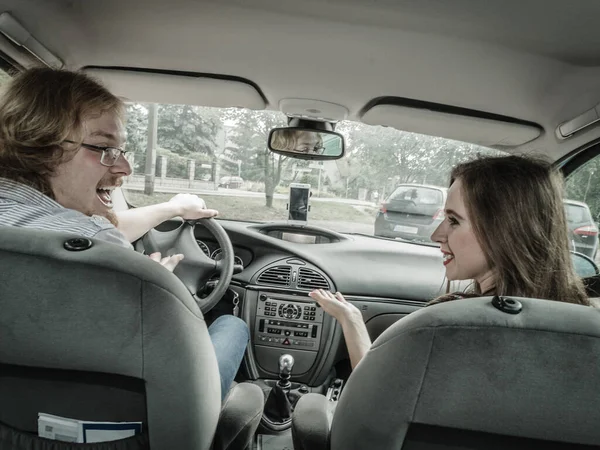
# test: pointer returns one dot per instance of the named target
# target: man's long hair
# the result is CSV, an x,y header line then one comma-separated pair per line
x,y
39,109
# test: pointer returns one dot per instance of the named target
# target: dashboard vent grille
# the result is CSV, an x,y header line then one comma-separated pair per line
x,y
311,279
276,276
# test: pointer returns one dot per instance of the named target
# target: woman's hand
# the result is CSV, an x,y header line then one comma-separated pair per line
x,y
336,305
350,317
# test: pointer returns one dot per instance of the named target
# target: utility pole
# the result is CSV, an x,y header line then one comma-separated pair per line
x,y
588,185
319,186
151,149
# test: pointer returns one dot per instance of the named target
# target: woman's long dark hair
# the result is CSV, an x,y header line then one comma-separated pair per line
x,y
515,205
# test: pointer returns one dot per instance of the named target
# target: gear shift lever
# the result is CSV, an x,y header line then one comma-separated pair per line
x,y
279,406
286,364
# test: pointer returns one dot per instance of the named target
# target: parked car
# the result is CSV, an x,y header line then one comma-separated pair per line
x,y
231,182
412,212
582,228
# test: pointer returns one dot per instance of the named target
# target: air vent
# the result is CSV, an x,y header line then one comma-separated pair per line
x,y
311,279
276,276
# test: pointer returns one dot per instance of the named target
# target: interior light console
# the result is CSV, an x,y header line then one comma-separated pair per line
x,y
284,322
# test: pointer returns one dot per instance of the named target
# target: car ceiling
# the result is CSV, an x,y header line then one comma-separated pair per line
x,y
532,60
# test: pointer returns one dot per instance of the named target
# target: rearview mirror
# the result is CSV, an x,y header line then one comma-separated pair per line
x,y
306,143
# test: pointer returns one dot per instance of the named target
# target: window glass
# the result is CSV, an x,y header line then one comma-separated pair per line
x,y
576,213
221,154
420,196
583,185
4,77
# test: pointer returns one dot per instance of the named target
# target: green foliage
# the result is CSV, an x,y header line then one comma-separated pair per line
x,y
248,137
384,157
584,185
137,134
377,158
189,130
184,133
4,77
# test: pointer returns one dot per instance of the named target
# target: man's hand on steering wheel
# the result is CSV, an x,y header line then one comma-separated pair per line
x,y
197,268
192,207
189,207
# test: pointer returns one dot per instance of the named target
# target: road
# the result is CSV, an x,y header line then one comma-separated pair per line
x,y
241,193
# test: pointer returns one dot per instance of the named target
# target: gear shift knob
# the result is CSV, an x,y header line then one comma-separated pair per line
x,y
286,363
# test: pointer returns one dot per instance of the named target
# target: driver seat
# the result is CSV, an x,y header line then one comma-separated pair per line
x,y
102,333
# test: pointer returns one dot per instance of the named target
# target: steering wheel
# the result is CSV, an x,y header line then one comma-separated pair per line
x,y
196,268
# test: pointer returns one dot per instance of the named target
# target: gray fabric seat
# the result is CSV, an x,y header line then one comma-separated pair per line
x,y
467,375
106,334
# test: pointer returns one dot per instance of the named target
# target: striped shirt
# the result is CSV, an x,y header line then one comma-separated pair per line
x,y
24,206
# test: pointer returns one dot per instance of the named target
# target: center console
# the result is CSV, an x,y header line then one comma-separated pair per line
x,y
282,321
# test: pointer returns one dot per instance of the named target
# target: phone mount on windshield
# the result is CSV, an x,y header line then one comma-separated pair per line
x,y
298,203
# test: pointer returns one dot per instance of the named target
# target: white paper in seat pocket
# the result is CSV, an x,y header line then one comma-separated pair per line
x,y
80,431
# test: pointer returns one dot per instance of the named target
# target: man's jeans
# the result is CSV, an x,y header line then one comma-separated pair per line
x,y
229,336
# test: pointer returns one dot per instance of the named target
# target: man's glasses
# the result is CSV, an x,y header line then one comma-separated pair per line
x,y
110,155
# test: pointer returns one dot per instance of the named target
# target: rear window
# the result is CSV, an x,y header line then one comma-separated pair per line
x,y
577,214
418,195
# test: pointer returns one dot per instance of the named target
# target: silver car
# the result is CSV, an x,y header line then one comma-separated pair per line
x,y
412,212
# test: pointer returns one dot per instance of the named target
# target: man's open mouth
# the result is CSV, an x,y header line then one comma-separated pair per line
x,y
104,194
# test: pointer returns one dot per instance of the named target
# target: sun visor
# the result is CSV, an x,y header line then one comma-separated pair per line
x,y
477,130
157,87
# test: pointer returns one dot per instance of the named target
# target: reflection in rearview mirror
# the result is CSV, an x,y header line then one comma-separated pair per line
x,y
305,143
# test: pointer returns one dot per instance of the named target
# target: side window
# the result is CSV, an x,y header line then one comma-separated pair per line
x,y
8,68
582,206
4,77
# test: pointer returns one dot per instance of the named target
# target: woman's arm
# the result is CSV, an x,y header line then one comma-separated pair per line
x,y
350,318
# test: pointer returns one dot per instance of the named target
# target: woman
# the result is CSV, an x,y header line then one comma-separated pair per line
x,y
505,229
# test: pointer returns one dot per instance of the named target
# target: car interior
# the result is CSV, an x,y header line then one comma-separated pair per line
x,y
97,333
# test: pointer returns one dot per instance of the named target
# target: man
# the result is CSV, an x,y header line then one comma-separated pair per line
x,y
61,156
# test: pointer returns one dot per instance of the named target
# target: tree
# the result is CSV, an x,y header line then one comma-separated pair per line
x,y
248,140
387,157
584,185
184,133
137,131
189,132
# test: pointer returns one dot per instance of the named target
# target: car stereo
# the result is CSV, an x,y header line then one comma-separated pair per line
x,y
284,321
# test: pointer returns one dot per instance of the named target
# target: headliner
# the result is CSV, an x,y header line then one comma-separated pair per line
x,y
533,60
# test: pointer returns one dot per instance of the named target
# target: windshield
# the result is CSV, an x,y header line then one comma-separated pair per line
x,y
389,184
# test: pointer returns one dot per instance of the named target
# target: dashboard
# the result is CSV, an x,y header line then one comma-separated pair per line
x,y
353,264
282,263
211,249
385,279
